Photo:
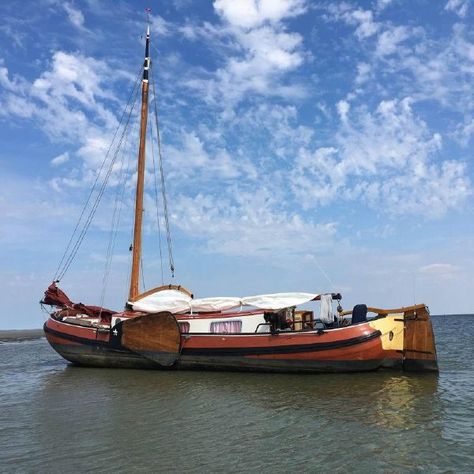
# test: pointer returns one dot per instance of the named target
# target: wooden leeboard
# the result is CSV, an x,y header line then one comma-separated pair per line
x,y
419,341
154,336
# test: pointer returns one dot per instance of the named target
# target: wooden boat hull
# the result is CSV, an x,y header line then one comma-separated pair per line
x,y
357,348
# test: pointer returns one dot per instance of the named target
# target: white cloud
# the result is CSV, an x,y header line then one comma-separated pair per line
x,y
93,148
13,95
251,224
73,76
192,161
464,132
71,101
277,127
363,20
75,16
439,270
259,52
70,98
253,13
189,155
388,36
389,40
443,72
382,4
26,205
363,73
387,159
17,105
60,159
459,7
5,80
160,26
366,25
343,108
406,58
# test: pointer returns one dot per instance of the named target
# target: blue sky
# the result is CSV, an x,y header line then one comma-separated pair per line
x,y
308,146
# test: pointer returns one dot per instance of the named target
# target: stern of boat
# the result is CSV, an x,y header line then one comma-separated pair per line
x,y
408,339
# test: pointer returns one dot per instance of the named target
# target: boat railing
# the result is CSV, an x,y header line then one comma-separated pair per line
x,y
385,312
300,321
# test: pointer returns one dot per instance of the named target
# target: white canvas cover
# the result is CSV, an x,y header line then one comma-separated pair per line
x,y
214,304
173,301
278,300
177,302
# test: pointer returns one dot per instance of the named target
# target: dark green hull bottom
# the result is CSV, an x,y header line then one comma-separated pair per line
x,y
100,356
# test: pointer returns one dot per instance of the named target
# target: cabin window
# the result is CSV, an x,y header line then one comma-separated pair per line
x,y
226,327
184,327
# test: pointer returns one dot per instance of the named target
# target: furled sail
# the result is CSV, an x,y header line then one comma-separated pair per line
x,y
175,301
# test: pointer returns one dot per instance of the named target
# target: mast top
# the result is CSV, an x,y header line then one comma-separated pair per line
x,y
148,12
146,65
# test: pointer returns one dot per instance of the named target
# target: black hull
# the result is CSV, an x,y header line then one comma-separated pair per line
x,y
104,357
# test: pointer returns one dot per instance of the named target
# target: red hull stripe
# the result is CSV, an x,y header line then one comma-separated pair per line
x,y
236,351
289,349
79,339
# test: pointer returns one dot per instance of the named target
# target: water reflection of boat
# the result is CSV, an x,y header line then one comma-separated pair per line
x,y
385,399
113,419
167,327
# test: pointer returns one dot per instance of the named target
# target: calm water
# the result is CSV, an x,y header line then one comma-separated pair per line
x,y
58,418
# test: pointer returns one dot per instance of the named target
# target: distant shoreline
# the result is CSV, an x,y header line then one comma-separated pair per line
x,y
453,314
20,334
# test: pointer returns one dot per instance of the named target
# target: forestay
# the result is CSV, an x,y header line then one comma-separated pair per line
x,y
175,301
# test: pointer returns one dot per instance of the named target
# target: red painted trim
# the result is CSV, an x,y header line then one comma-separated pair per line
x,y
76,330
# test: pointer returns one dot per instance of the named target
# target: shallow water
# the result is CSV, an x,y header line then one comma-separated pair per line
x,y
59,418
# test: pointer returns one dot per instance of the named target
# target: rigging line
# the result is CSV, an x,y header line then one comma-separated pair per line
x,y
96,202
128,274
156,203
119,199
114,214
122,200
93,210
323,272
137,80
108,257
91,215
162,175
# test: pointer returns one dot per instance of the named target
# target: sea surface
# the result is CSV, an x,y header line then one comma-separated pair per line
x,y
59,418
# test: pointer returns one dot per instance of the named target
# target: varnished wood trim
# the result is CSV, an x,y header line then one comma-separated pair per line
x,y
162,288
403,309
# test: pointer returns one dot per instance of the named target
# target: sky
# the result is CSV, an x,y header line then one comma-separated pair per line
x,y
307,146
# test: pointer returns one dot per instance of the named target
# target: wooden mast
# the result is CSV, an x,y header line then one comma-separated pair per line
x,y
137,231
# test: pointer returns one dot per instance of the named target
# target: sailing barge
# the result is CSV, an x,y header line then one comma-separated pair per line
x,y
167,328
